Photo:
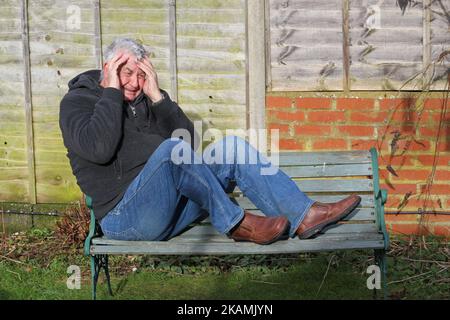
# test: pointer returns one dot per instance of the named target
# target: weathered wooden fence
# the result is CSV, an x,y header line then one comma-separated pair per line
x,y
356,44
197,46
210,56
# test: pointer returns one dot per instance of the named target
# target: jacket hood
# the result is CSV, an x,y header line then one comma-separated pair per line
x,y
88,79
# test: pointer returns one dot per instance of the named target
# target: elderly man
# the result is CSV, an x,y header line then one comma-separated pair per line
x,y
117,126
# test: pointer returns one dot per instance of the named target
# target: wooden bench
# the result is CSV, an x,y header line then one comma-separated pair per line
x,y
324,176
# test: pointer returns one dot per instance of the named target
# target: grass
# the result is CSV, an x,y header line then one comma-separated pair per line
x,y
33,267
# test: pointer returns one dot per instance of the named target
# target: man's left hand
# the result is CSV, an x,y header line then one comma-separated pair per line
x,y
151,86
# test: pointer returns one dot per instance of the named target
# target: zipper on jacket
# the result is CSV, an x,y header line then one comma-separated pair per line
x,y
133,109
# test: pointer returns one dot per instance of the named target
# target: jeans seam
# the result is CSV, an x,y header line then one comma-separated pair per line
x,y
256,195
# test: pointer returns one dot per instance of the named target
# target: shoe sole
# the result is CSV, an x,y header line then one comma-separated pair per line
x,y
313,231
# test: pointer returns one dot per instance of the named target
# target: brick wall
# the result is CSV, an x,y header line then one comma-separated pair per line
x,y
403,128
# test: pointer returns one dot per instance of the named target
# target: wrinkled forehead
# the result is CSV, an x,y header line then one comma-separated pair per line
x,y
131,65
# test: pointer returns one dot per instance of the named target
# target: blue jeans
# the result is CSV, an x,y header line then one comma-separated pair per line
x,y
167,196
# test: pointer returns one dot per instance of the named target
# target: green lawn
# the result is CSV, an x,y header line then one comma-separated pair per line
x,y
415,272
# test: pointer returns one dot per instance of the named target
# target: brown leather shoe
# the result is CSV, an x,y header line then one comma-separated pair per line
x,y
321,215
261,229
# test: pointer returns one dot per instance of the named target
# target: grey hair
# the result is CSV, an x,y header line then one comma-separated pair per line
x,y
127,44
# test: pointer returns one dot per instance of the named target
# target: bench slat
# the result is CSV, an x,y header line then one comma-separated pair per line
x,y
319,158
350,185
369,227
359,214
201,248
366,200
216,237
206,233
327,186
333,170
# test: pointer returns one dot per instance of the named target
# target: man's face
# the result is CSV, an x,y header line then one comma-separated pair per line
x,y
131,78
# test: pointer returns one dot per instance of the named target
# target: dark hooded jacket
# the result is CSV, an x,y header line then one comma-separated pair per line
x,y
110,140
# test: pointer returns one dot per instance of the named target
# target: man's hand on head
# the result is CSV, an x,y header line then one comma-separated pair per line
x,y
112,69
151,86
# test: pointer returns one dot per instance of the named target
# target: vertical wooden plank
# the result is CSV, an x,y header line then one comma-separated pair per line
x,y
268,46
426,44
346,44
98,35
256,64
173,49
28,105
439,43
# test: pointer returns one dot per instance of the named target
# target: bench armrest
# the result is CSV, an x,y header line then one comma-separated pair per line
x,y
380,198
92,225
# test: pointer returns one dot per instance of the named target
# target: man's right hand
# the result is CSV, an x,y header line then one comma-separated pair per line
x,y
112,70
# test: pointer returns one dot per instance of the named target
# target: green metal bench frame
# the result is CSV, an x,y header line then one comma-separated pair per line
x,y
202,239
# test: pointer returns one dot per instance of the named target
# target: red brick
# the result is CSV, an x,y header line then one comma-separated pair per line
x,y
399,161
442,175
326,116
312,130
277,102
391,104
415,204
435,103
402,188
290,144
443,146
437,189
291,116
410,229
330,144
446,118
388,132
371,116
437,218
363,144
428,132
427,160
408,116
391,218
354,103
284,128
411,175
442,231
313,103
358,131
413,145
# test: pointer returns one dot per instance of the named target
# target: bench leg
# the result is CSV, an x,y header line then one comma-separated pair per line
x,y
97,263
380,260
